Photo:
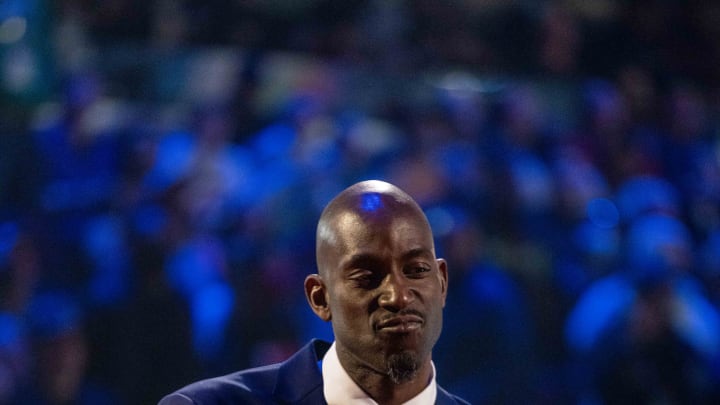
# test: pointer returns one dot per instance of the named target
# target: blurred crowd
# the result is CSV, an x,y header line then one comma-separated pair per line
x,y
163,165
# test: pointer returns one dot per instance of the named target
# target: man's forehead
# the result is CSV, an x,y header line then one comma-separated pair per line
x,y
357,226
343,224
364,207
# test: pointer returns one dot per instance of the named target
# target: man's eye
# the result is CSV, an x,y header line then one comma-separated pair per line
x,y
417,270
363,279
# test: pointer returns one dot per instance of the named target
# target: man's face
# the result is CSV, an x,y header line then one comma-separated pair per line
x,y
385,290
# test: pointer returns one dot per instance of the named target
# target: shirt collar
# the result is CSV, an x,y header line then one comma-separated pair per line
x,y
339,388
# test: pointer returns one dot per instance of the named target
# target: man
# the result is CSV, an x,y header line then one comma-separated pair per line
x,y
382,288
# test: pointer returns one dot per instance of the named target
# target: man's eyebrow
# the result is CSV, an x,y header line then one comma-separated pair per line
x,y
417,252
361,259
369,259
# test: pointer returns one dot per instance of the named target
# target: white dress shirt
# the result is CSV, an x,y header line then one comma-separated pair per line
x,y
340,389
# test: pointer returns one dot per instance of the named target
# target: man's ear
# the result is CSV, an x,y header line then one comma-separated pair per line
x,y
317,297
443,274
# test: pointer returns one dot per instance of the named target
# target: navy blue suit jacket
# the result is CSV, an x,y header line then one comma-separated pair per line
x,y
297,380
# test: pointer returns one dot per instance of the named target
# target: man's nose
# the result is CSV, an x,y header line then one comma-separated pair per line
x,y
396,293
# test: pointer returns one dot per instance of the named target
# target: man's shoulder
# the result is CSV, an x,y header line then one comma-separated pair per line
x,y
293,379
254,385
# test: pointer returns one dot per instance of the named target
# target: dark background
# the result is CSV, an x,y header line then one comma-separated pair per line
x,y
163,165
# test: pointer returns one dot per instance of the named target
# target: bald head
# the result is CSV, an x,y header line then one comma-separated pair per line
x,y
371,201
378,269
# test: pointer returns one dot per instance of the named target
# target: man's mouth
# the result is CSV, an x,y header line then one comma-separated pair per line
x,y
401,324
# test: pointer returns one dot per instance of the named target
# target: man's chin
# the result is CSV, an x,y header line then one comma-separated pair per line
x,y
403,366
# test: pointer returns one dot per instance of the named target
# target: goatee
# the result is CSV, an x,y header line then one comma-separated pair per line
x,y
402,367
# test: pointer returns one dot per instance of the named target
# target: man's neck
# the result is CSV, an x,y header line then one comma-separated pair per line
x,y
379,386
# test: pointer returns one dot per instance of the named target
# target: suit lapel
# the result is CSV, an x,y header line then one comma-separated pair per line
x,y
299,378
444,398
